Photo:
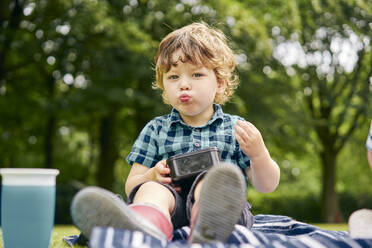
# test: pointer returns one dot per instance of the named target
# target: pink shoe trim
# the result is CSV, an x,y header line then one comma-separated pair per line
x,y
156,217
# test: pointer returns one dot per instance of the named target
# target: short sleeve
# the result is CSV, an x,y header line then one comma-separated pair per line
x,y
145,148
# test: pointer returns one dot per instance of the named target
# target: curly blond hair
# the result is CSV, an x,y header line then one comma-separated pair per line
x,y
200,45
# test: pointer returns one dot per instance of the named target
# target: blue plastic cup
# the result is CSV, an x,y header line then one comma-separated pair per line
x,y
28,199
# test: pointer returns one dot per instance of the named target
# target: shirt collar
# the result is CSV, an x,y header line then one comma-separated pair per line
x,y
175,116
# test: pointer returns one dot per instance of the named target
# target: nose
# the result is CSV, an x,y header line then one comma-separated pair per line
x,y
184,84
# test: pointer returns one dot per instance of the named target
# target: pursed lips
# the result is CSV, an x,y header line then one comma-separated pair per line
x,y
185,98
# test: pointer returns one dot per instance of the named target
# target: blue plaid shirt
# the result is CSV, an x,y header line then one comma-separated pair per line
x,y
168,135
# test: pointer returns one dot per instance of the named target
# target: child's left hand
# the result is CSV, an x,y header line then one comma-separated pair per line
x,y
249,139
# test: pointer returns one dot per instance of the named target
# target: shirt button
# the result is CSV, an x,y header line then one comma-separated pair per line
x,y
197,129
197,144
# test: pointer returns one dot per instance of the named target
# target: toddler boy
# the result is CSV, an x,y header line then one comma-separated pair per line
x,y
195,72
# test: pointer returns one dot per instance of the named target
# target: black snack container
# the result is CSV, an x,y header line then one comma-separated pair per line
x,y
187,165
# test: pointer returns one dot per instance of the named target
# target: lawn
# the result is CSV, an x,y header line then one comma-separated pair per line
x,y
63,231
332,227
58,233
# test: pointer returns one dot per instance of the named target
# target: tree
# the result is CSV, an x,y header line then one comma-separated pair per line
x,y
77,75
327,57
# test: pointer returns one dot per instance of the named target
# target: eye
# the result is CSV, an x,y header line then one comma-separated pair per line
x,y
197,74
173,77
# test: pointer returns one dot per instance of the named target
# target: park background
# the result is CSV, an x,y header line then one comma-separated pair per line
x,y
75,91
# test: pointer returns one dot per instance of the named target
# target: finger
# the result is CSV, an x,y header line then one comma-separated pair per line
x,y
251,132
252,128
166,180
161,169
243,127
239,131
165,171
245,123
246,126
241,142
163,164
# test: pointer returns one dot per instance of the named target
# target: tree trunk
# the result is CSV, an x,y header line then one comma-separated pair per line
x,y
330,209
108,152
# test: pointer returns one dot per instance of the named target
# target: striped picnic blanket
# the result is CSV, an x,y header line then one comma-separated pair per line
x,y
267,231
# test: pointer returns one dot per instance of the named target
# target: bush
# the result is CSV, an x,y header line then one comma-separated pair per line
x,y
298,206
305,207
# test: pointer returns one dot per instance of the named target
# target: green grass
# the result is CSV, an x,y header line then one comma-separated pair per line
x,y
332,227
61,231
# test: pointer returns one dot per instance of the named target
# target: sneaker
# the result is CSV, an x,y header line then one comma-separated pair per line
x,y
360,224
93,206
222,199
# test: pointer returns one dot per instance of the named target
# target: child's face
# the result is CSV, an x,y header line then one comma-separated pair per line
x,y
191,90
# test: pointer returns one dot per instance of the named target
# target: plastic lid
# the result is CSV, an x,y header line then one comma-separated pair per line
x,y
29,176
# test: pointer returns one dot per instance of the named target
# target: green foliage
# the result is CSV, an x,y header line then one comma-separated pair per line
x,y
67,66
305,206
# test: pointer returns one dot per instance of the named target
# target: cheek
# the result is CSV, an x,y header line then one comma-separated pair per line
x,y
168,92
211,89
166,88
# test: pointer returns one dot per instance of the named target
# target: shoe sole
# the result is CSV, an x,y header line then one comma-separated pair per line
x,y
360,224
93,206
221,203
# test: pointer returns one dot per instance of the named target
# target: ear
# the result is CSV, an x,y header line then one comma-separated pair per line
x,y
221,85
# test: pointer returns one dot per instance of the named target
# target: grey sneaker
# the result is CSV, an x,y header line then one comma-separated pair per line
x,y
94,206
222,199
360,224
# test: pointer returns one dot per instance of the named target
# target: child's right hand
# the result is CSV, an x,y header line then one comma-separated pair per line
x,y
161,172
